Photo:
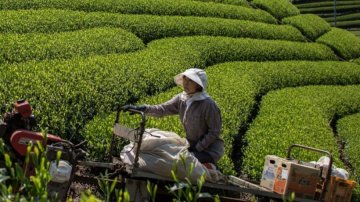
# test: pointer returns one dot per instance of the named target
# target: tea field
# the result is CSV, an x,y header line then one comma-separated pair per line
x,y
279,76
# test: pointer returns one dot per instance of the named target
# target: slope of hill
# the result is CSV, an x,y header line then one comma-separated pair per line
x,y
340,13
279,75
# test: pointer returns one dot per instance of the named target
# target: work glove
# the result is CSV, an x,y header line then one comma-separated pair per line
x,y
134,107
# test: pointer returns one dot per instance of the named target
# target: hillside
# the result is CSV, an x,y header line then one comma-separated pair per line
x,y
341,13
279,75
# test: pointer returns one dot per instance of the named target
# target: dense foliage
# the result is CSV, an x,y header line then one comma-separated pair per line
x,y
298,115
153,7
312,26
349,133
146,27
235,84
278,8
348,17
232,2
96,41
78,89
344,43
326,4
327,9
89,57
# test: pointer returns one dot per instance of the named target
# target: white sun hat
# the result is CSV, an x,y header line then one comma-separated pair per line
x,y
195,74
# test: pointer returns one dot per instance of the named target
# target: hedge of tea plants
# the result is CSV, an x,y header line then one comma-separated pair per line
x,y
147,27
347,24
153,7
356,61
67,94
235,87
278,8
298,115
349,133
329,9
326,4
37,46
232,2
78,89
348,17
310,25
344,43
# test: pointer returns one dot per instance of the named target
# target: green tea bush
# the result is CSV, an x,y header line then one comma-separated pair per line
x,y
326,4
153,7
278,8
312,26
349,134
357,60
298,115
348,17
35,46
232,2
343,42
347,24
330,9
147,27
235,87
66,94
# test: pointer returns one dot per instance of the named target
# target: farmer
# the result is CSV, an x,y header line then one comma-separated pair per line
x,y
198,113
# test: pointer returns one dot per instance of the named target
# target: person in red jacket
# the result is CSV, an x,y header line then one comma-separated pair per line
x,y
198,113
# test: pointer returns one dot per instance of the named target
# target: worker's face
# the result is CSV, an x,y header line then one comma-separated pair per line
x,y
190,86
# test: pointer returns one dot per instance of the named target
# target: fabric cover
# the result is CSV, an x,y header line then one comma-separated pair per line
x,y
159,153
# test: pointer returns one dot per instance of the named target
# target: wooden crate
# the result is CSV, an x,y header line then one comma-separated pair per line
x,y
339,190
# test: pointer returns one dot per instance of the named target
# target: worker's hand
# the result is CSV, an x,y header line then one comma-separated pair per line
x,y
134,107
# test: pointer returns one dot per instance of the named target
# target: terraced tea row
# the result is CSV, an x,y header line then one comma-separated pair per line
x,y
236,87
277,8
349,133
71,92
232,2
297,115
154,27
153,7
311,26
147,27
348,17
326,4
97,41
344,43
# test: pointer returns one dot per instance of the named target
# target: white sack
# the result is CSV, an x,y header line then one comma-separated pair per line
x,y
159,153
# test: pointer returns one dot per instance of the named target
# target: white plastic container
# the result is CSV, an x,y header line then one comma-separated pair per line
x,y
60,173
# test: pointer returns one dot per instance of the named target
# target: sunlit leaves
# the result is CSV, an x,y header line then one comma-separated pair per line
x,y
97,41
298,115
343,42
154,7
